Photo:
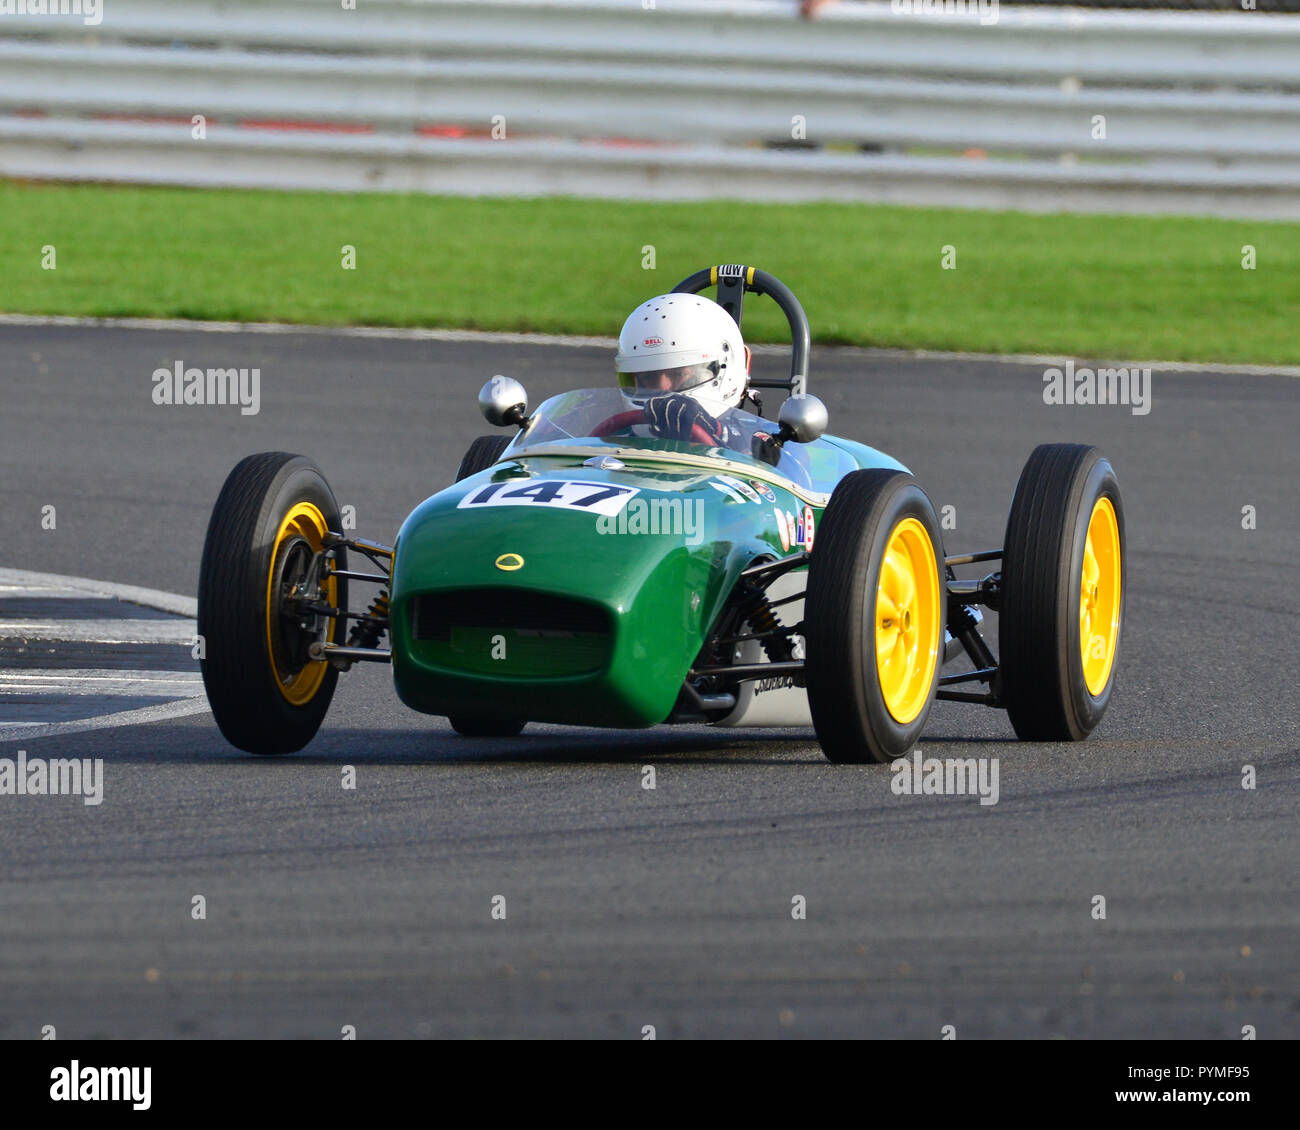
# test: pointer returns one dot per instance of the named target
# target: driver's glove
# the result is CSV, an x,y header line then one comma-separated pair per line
x,y
674,416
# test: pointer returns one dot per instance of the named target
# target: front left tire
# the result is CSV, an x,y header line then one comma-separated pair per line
x,y
481,455
1063,585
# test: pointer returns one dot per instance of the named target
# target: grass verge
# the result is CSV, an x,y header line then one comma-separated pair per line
x,y
1104,286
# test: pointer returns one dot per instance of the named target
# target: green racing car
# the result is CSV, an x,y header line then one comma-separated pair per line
x,y
660,552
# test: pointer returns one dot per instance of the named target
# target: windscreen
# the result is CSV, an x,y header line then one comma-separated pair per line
x,y
572,417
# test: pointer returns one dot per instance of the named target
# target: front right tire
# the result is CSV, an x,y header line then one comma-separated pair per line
x,y
267,695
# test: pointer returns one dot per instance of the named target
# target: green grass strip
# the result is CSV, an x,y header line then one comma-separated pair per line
x,y
1091,285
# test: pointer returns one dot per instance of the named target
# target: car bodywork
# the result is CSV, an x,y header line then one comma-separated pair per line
x,y
526,608
590,571
508,592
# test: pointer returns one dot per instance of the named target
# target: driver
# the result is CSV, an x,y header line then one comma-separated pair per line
x,y
682,360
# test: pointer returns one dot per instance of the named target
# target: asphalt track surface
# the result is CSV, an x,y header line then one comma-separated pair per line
x,y
672,907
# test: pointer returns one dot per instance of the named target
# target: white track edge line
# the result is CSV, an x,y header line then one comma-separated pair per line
x,y
174,603
134,594
138,717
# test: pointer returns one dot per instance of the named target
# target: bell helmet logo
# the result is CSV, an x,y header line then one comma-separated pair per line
x,y
509,562
653,341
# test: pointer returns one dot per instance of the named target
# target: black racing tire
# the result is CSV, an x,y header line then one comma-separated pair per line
x,y
846,620
247,537
485,727
1044,672
482,453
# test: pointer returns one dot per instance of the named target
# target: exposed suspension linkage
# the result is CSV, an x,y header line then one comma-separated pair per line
x,y
760,613
370,626
962,631
368,630
708,692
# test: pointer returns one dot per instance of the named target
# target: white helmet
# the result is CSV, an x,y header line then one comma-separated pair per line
x,y
682,343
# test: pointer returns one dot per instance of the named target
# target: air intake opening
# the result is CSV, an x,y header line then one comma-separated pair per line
x,y
436,616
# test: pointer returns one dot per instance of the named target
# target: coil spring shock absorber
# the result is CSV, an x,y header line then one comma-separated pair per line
x,y
763,618
368,630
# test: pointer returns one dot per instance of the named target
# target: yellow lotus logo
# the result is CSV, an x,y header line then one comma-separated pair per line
x,y
510,562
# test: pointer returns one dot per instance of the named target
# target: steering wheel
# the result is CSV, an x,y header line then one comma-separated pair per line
x,y
630,418
732,281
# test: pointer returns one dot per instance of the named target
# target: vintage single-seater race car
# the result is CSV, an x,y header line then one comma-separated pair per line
x,y
585,570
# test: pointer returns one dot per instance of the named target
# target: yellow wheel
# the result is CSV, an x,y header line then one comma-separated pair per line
x,y
873,617
300,537
908,624
265,598
1062,599
1099,596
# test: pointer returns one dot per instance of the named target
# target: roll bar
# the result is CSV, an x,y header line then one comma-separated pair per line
x,y
732,281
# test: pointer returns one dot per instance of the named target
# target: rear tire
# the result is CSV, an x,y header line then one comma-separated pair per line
x,y
482,454
873,617
266,695
485,727
1062,593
